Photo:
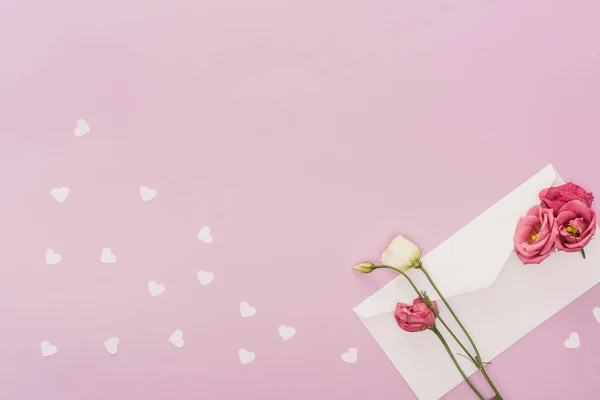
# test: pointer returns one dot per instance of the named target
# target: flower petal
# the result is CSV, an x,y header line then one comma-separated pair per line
x,y
579,208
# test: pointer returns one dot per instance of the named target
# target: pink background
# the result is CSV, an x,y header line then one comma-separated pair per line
x,y
305,134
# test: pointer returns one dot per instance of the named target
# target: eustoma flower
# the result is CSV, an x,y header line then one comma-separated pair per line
x,y
400,256
415,318
575,226
556,197
533,238
564,220
421,316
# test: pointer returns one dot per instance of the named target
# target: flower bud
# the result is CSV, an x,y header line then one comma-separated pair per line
x,y
365,267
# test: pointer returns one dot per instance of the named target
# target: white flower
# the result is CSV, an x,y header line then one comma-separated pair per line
x,y
402,254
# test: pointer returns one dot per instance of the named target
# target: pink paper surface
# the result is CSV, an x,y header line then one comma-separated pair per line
x,y
305,134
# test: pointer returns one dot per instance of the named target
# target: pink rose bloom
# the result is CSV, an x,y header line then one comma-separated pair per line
x,y
533,238
575,226
415,318
556,197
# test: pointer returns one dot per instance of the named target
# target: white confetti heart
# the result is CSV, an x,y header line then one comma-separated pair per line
x,y
205,277
82,128
156,288
573,341
204,235
107,256
350,356
48,349
286,332
246,356
246,309
176,338
147,193
112,345
52,257
596,313
60,194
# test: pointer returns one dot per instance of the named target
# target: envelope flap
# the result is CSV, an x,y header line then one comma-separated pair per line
x,y
473,257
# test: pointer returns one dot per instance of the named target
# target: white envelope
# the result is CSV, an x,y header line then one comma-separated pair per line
x,y
497,298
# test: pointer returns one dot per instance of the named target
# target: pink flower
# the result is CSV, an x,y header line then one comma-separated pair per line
x,y
533,238
417,317
556,197
575,226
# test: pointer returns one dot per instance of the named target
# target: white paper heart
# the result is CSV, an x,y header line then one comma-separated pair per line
x,y
107,256
246,356
52,257
246,309
82,128
286,332
205,277
350,356
147,193
176,338
573,341
60,194
156,288
204,235
596,313
48,349
112,345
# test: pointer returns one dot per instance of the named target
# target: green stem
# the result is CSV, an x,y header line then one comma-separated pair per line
x,y
583,253
438,316
439,335
477,355
489,381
